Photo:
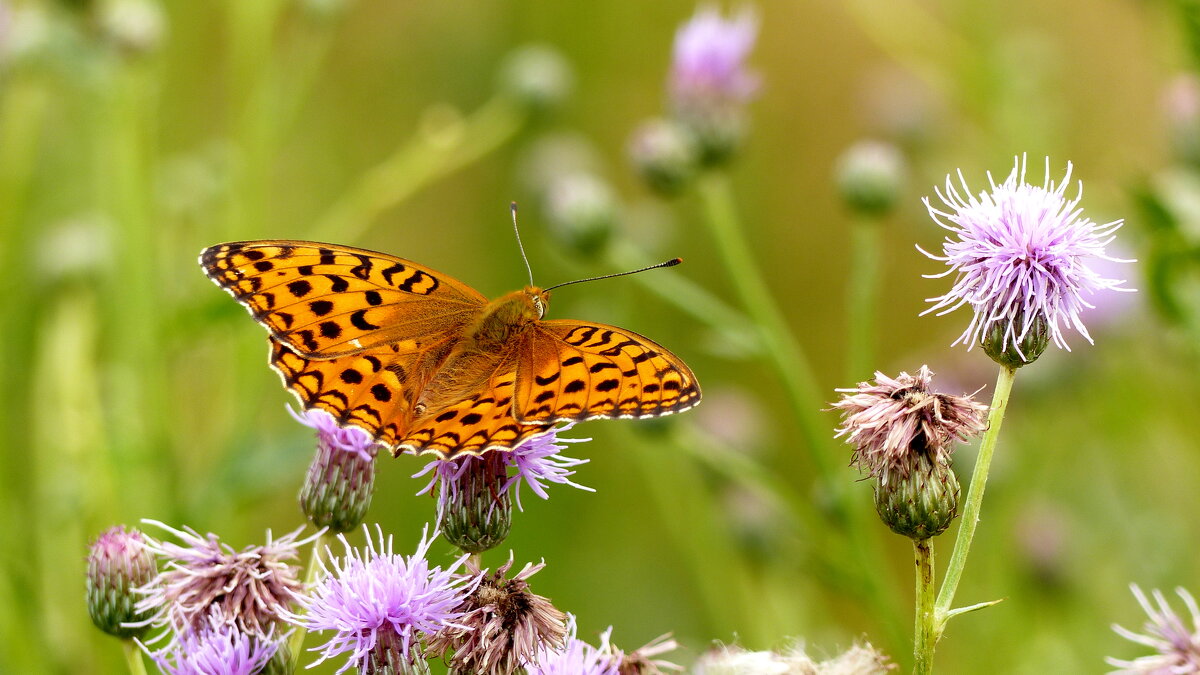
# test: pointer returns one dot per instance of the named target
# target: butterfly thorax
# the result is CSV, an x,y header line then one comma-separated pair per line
x,y
504,318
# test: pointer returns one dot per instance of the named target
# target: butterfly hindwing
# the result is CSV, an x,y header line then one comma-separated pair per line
x,y
575,370
324,300
475,424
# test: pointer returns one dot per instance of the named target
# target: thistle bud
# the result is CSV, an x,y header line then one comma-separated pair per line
x,y
341,479
477,514
582,212
117,564
921,504
664,154
1010,350
389,657
537,76
870,175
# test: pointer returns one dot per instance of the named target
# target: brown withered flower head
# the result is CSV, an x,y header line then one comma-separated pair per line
x,y
251,587
894,421
504,626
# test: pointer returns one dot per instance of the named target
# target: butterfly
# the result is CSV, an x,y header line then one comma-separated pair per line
x,y
427,364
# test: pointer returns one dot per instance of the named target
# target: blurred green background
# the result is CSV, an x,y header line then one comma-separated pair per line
x,y
134,134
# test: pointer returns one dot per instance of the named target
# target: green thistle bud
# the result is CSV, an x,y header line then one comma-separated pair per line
x,y
389,658
537,76
582,212
921,504
870,175
341,479
665,155
118,563
477,515
1011,352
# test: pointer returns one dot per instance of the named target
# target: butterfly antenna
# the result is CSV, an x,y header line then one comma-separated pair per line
x,y
666,263
521,246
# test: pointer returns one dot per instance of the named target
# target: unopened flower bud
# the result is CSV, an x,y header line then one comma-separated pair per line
x,y
135,26
477,515
582,212
341,479
921,504
117,564
870,175
1013,351
664,154
537,76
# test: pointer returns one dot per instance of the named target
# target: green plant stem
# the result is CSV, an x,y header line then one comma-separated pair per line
x,y
925,632
431,155
296,642
970,517
133,656
804,397
862,296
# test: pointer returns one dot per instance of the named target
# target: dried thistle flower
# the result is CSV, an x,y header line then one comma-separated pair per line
x,y
503,624
1177,644
251,588
892,421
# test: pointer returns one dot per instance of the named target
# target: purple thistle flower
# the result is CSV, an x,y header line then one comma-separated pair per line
x,y
536,462
251,588
575,657
381,604
1177,644
348,439
708,59
1020,255
217,648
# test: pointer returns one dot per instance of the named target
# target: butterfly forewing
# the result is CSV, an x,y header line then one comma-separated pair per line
x,y
325,301
574,370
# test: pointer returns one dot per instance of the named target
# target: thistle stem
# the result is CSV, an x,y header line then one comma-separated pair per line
x,y
426,158
925,632
862,296
970,517
133,656
296,642
794,371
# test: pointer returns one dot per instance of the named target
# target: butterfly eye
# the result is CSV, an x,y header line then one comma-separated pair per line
x,y
539,306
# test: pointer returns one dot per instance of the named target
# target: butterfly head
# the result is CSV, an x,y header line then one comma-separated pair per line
x,y
538,299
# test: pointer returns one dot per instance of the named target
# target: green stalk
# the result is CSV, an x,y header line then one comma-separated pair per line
x,y
414,165
925,633
296,642
862,296
970,517
792,367
133,656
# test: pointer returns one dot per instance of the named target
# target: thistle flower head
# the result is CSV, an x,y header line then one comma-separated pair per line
x,y
1177,643
892,421
118,563
708,59
341,479
576,657
381,604
733,660
475,493
217,648
251,588
503,624
1020,255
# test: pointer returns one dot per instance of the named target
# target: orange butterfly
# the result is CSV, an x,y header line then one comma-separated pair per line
x,y
427,364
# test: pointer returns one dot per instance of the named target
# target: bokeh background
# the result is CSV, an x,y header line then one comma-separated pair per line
x,y
133,134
